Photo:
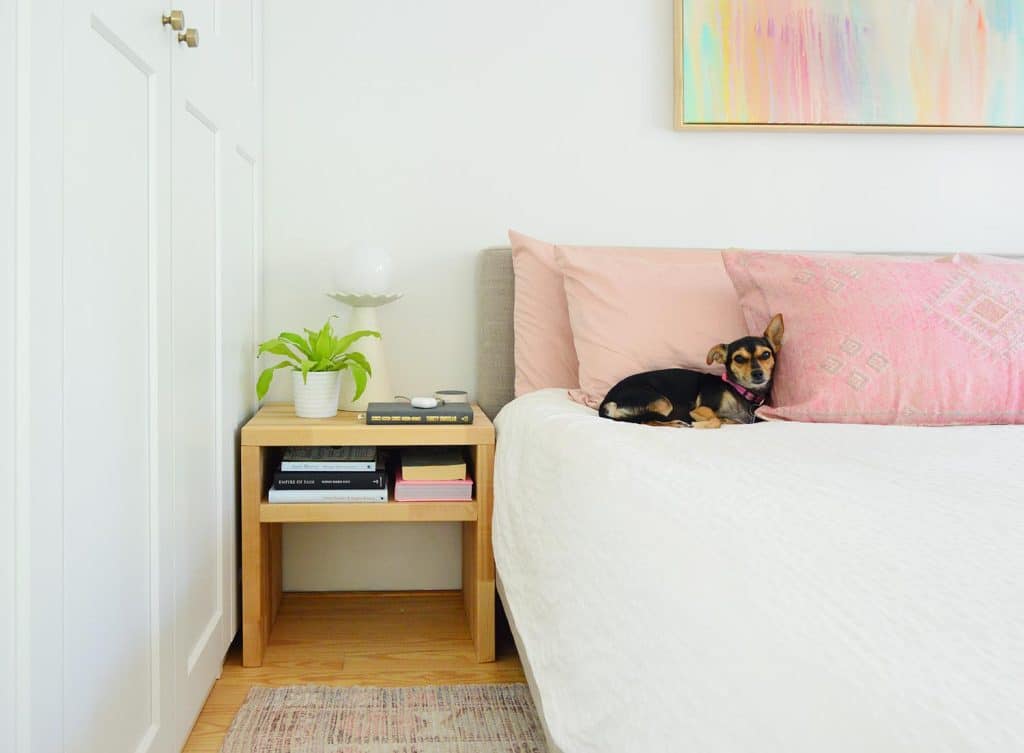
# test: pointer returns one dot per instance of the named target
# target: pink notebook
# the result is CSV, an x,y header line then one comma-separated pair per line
x,y
433,491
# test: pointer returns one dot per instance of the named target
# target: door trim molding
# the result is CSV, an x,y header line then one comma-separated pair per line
x,y
256,330
114,40
22,380
154,418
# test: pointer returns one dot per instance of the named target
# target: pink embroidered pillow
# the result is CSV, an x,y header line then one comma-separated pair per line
x,y
634,310
890,342
544,353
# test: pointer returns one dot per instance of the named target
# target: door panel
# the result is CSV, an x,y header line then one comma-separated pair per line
x,y
239,22
238,289
213,205
116,79
196,364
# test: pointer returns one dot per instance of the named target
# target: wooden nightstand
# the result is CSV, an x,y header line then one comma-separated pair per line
x,y
275,426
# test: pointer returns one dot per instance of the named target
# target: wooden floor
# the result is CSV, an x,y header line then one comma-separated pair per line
x,y
387,639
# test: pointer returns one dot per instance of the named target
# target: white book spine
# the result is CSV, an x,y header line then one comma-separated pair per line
x,y
278,496
344,467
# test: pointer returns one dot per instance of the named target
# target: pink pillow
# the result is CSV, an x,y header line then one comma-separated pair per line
x,y
544,353
634,310
890,342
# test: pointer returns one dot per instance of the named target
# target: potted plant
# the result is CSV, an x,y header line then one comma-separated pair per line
x,y
317,361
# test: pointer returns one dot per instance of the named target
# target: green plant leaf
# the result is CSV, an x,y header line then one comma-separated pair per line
x,y
266,376
326,364
305,367
278,347
324,342
359,377
311,336
344,343
360,359
298,342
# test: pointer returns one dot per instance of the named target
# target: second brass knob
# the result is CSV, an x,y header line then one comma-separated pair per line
x,y
189,37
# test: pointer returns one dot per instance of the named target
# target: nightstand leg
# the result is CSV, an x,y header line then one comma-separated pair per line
x,y
256,566
478,559
276,531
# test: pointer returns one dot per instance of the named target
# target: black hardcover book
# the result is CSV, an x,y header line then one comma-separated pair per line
x,y
403,414
330,480
340,459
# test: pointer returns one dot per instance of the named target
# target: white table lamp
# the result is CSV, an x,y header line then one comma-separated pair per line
x,y
363,280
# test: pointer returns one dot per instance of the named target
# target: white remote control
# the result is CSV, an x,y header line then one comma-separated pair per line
x,y
423,402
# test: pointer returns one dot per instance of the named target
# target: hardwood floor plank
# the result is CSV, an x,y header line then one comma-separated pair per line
x,y
386,639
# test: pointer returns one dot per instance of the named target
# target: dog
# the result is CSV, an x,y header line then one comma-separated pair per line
x,y
681,397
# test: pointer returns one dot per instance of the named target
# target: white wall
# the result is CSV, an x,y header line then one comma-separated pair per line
x,y
433,127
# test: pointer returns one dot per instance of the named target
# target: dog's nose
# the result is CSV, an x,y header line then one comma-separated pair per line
x,y
757,374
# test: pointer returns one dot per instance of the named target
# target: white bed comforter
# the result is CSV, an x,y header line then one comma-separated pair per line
x,y
777,587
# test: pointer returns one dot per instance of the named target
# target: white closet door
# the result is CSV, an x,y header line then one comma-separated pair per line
x,y
117,542
214,117
158,280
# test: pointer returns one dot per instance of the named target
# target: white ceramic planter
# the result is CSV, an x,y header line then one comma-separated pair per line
x,y
317,397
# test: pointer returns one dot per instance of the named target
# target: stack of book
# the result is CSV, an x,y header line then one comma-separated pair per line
x,y
330,474
433,474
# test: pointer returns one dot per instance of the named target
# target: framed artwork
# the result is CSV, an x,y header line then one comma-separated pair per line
x,y
916,64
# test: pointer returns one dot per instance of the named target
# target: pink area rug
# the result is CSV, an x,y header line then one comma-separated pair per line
x,y
430,719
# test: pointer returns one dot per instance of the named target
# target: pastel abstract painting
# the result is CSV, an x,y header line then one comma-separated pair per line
x,y
917,63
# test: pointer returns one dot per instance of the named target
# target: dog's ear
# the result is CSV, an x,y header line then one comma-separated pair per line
x,y
773,332
717,354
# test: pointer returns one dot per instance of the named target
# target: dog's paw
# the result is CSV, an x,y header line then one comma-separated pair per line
x,y
703,413
711,423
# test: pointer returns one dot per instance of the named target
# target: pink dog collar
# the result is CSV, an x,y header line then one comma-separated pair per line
x,y
751,397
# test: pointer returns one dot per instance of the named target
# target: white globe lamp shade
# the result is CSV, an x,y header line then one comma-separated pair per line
x,y
364,268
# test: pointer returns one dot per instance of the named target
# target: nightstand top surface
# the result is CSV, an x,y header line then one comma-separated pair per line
x,y
276,425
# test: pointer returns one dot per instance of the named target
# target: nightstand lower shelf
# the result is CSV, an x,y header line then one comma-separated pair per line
x,y
388,512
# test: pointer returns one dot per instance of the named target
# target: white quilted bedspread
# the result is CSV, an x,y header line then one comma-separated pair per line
x,y
777,587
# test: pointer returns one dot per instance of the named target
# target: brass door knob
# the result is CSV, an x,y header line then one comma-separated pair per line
x,y
175,19
189,37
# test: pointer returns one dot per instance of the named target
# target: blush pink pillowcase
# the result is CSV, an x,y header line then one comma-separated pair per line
x,y
635,310
890,342
544,352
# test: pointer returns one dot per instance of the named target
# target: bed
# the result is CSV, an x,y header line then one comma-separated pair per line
x,y
776,587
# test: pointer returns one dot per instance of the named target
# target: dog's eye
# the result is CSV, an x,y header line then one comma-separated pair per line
x,y
765,356
740,359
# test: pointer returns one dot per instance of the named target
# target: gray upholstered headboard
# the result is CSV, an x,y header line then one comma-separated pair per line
x,y
495,365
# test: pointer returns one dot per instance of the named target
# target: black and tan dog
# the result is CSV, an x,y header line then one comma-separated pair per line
x,y
680,397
